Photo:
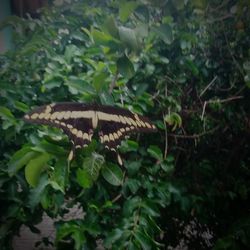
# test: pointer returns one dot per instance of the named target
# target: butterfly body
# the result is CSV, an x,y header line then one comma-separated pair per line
x,y
79,120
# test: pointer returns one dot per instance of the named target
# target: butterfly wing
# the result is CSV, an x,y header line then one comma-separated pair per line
x,y
78,121
75,119
117,123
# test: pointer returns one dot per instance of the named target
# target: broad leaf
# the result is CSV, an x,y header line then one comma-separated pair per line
x,y
83,178
35,167
112,174
155,152
125,67
93,164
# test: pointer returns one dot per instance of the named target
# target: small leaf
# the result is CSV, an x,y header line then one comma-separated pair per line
x,y
93,164
106,98
126,8
100,37
111,27
155,152
100,80
174,120
133,185
143,239
83,178
21,106
125,67
6,114
112,174
35,195
20,159
165,33
128,37
35,167
70,52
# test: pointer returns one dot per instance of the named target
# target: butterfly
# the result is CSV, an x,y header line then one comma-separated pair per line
x,y
79,121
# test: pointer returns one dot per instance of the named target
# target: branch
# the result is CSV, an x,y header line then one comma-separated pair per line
x,y
229,99
209,85
195,136
116,198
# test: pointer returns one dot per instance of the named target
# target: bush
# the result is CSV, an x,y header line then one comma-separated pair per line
x,y
183,64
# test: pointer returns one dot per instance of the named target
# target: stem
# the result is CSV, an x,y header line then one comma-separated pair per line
x,y
195,136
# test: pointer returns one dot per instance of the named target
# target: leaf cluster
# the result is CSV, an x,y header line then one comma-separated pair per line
x,y
185,65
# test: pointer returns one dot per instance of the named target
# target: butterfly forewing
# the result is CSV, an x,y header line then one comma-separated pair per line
x,y
79,121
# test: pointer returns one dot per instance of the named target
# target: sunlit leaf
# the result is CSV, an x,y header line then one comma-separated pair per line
x,y
83,178
93,164
155,152
112,174
126,8
20,159
35,167
128,37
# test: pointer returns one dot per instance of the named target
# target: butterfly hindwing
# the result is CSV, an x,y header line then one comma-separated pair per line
x,y
79,121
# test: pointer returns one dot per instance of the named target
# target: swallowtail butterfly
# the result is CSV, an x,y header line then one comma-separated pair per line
x,y
79,121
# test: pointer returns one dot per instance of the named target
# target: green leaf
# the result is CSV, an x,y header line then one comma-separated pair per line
x,y
71,51
113,237
174,120
6,114
143,239
126,8
36,194
35,167
60,173
112,174
165,33
93,164
128,37
100,80
83,178
100,37
133,167
150,208
77,85
125,67
111,27
106,98
155,152
21,106
129,145
73,230
133,185
20,159
56,186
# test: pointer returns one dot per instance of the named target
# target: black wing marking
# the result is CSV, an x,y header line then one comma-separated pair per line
x,y
111,134
114,127
65,116
78,121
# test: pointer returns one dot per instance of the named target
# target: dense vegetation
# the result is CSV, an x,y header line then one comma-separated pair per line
x,y
184,64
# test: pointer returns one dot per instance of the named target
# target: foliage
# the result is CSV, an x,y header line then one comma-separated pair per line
x,y
184,64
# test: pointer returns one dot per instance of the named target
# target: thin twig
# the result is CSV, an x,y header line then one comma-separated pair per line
x,y
166,138
203,110
116,198
195,136
209,85
229,99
